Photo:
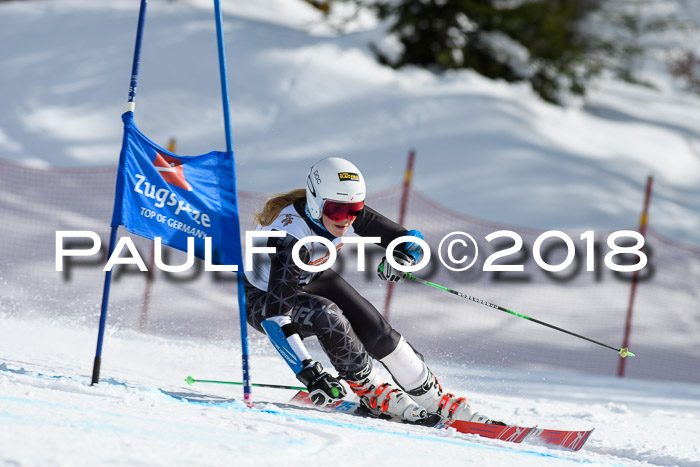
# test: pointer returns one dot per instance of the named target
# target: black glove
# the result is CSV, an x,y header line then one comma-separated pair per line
x,y
323,388
387,272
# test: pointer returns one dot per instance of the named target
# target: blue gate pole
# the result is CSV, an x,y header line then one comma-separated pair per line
x,y
229,147
103,311
131,105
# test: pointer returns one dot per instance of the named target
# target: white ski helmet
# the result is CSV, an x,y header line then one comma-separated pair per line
x,y
334,179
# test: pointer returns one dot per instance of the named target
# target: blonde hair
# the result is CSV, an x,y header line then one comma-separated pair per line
x,y
276,203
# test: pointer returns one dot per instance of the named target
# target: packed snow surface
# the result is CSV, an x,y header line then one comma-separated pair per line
x,y
50,414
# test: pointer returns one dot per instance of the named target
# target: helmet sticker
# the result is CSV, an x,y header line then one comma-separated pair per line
x,y
345,176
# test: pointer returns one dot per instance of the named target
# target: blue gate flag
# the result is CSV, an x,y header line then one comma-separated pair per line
x,y
161,194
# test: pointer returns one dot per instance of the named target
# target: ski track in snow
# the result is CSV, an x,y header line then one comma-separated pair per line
x,y
257,428
51,415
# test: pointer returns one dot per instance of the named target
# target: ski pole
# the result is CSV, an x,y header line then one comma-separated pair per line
x,y
191,380
624,352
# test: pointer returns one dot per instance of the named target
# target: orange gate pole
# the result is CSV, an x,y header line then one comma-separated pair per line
x,y
402,216
635,278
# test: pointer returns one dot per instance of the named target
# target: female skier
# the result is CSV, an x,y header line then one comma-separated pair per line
x,y
289,303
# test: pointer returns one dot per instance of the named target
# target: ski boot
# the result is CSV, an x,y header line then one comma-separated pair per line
x,y
448,406
382,399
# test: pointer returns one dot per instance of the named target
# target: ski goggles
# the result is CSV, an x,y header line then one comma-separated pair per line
x,y
338,212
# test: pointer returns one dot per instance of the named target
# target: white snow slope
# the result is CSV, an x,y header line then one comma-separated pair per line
x,y
51,416
300,93
485,148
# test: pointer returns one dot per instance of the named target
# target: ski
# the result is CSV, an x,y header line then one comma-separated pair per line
x,y
571,440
